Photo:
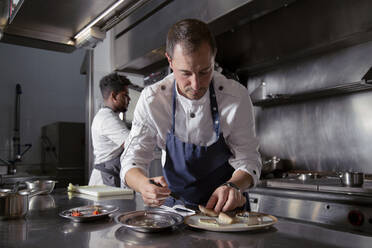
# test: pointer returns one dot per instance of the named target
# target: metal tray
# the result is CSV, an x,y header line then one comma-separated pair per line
x,y
87,212
149,220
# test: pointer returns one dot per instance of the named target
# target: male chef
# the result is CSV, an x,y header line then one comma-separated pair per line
x,y
109,132
202,121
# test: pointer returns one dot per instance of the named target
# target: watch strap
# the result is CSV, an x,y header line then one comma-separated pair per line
x,y
232,185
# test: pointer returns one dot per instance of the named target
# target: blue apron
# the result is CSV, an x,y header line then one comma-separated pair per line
x,y
193,172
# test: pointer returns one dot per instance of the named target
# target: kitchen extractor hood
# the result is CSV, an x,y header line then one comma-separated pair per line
x,y
4,15
140,39
53,25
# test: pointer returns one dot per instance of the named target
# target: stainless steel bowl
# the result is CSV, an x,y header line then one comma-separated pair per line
x,y
41,185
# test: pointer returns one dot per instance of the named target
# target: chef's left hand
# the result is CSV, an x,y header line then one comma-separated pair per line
x,y
225,198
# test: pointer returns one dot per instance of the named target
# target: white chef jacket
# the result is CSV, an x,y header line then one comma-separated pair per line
x,y
193,124
108,135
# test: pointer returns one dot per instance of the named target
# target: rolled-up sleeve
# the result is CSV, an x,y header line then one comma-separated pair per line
x,y
140,145
243,141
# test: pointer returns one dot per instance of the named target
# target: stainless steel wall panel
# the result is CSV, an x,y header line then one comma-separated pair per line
x,y
333,133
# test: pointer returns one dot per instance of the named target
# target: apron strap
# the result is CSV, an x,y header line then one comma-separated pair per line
x,y
174,107
213,105
101,167
214,110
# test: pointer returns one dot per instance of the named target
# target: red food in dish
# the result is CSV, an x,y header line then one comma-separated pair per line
x,y
76,213
95,212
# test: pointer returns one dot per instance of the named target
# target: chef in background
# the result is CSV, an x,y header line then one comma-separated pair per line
x,y
204,124
109,132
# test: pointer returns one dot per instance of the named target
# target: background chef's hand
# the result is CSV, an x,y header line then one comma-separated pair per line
x,y
225,198
154,195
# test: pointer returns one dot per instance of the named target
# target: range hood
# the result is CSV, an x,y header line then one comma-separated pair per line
x,y
139,42
4,15
53,25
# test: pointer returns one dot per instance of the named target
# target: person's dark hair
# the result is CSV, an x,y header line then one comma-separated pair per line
x,y
113,83
190,33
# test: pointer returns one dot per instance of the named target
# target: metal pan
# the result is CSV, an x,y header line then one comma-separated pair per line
x,y
87,212
149,221
15,204
352,179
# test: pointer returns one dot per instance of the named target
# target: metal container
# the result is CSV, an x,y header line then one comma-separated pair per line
x,y
271,165
41,185
352,179
15,204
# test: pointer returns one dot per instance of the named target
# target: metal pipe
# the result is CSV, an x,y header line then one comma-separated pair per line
x,y
17,121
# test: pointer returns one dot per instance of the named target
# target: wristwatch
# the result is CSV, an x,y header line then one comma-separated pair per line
x,y
232,185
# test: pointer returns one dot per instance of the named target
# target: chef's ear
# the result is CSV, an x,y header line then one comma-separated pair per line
x,y
169,59
113,95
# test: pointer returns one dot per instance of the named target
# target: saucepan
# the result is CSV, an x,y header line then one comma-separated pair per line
x,y
14,203
352,179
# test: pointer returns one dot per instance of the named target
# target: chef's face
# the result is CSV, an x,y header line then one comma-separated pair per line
x,y
121,100
193,71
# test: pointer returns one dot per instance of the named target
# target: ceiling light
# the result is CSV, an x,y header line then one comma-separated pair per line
x,y
97,19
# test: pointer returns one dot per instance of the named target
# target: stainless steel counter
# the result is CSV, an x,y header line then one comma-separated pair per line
x,y
44,228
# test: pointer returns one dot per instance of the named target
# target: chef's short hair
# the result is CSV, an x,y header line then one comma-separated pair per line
x,y
113,83
190,33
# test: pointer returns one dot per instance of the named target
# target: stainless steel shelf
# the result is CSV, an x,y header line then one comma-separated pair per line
x,y
273,100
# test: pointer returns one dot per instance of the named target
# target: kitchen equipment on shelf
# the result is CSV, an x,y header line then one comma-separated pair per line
x,y
274,167
352,179
46,186
99,190
15,204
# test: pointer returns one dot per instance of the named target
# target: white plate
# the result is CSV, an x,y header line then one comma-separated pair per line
x,y
240,224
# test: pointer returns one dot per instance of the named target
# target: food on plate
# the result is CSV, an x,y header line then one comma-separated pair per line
x,y
95,212
208,211
249,218
225,219
209,222
76,213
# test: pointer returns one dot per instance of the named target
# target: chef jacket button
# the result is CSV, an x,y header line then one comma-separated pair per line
x,y
163,87
220,88
133,163
192,115
254,172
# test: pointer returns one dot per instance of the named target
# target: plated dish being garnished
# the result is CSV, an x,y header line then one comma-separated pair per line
x,y
230,222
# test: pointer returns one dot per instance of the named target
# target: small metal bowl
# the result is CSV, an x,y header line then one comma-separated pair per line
x,y
41,185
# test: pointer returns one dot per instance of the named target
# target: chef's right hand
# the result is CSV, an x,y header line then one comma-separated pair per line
x,y
153,195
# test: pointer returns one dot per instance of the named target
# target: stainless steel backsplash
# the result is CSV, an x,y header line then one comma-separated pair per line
x,y
328,134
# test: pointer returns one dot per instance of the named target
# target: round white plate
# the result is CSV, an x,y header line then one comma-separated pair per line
x,y
256,221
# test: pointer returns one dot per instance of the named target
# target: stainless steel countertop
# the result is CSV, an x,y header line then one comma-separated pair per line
x,y
43,227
